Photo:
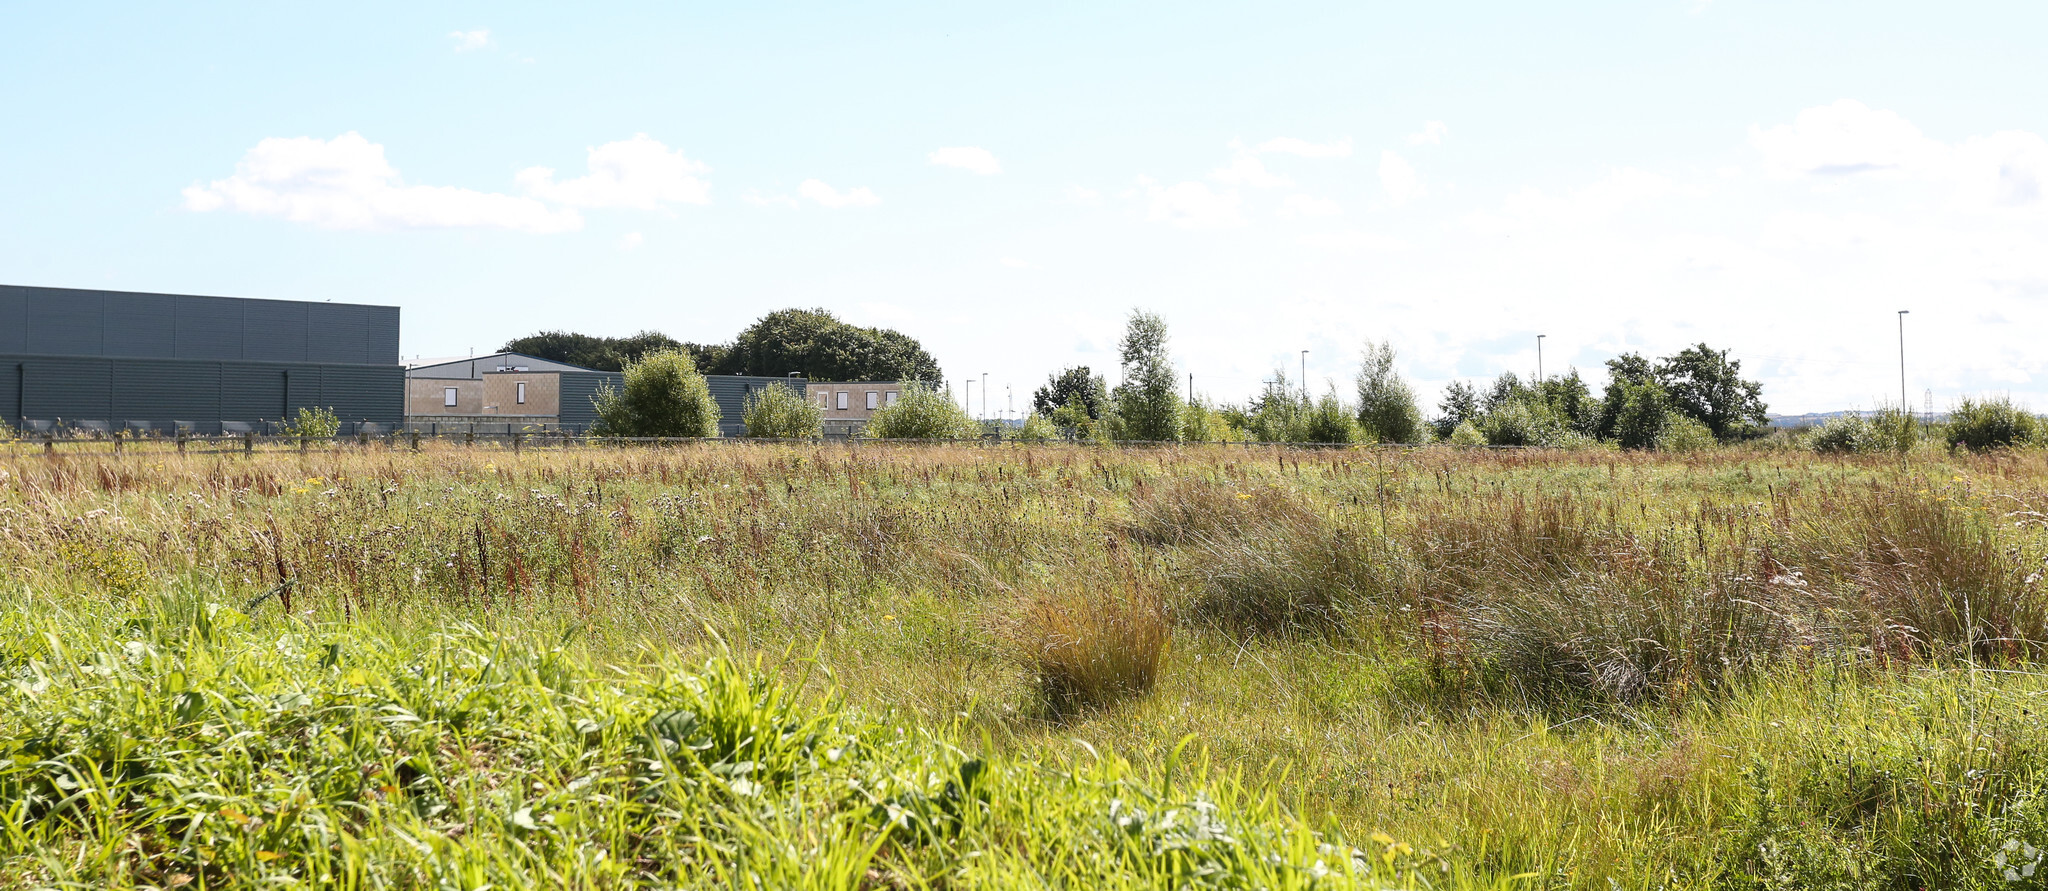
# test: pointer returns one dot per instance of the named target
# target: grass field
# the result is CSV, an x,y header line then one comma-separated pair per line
x,y
896,666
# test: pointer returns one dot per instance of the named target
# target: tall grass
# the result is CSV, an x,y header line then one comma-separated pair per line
x,y
1587,665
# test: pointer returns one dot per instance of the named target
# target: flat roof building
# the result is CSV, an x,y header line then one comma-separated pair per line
x,y
120,359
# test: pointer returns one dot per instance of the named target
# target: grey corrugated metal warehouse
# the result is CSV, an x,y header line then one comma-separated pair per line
x,y
115,357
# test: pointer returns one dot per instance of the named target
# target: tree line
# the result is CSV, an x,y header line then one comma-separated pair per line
x,y
810,342
1690,399
1696,396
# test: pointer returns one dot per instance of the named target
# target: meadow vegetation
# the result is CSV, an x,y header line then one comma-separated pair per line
x,y
881,665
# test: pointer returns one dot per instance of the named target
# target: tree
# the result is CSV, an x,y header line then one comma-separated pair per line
x,y
921,413
1645,408
1327,420
777,411
1459,404
1623,371
1386,405
1074,383
1148,398
816,344
664,395
1572,401
601,353
1506,389
1707,386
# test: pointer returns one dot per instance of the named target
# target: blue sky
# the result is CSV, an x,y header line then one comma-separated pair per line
x,y
1006,183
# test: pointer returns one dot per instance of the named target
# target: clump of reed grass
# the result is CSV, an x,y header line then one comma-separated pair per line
x,y
1091,641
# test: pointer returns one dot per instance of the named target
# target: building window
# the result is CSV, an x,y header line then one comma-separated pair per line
x,y
874,400
448,397
521,395
824,400
892,397
842,400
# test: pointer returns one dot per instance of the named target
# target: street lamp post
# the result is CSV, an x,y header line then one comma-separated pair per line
x,y
969,387
984,396
1902,362
1539,358
1304,377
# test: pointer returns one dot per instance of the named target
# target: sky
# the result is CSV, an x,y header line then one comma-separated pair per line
x,y
1007,182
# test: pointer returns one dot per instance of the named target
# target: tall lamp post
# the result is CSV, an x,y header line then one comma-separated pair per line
x,y
969,387
1902,362
984,396
1304,377
1539,358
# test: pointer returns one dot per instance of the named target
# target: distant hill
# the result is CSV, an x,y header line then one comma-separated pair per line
x,y
1815,419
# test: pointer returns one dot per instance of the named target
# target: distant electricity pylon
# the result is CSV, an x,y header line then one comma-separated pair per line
x,y
1927,415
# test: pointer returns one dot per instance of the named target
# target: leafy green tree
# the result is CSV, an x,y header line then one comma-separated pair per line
x,y
664,395
1572,400
1623,372
778,411
601,353
1074,423
1278,415
1386,405
921,413
1074,383
1148,399
1644,410
1459,405
1506,389
1708,387
816,344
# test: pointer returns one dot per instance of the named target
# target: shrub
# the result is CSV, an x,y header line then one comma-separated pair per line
x,y
777,411
922,413
1328,421
1846,434
313,423
1467,434
1036,428
1520,422
664,395
1980,425
1892,430
1683,435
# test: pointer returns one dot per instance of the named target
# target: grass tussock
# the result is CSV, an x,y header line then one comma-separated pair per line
x,y
1094,638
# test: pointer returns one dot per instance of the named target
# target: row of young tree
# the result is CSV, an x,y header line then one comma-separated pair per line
x,y
1687,400
1692,398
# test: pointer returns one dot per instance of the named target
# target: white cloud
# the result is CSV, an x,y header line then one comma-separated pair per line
x,y
471,40
1308,206
632,241
1399,178
754,197
1352,241
1288,145
1848,141
1432,133
639,172
1247,171
826,196
1015,263
1843,139
969,158
1191,205
1083,196
346,183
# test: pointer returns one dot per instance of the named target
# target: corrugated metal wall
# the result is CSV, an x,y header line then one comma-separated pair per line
x,y
579,389
69,322
160,391
119,356
731,392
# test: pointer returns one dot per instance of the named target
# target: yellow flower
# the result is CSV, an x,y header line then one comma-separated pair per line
x,y
1243,497
889,618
